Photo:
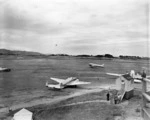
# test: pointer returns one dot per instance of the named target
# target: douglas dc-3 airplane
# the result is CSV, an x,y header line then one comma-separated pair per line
x,y
92,65
62,83
137,77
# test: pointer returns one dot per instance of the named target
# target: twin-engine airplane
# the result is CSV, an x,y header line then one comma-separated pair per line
x,y
137,77
92,65
62,83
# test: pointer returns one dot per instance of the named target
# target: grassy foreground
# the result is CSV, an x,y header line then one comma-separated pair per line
x,y
86,107
88,111
85,111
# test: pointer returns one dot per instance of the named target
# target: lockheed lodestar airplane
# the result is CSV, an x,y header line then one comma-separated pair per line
x,y
62,83
92,65
137,77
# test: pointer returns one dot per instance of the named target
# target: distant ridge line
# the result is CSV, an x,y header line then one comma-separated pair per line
x,y
32,53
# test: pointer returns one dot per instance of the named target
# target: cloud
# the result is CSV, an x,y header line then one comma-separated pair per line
x,y
20,20
88,26
13,21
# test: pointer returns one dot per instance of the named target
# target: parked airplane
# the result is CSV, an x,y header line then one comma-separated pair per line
x,y
92,65
71,81
137,77
4,69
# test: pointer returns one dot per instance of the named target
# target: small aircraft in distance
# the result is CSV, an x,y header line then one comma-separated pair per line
x,y
4,69
137,77
62,83
92,65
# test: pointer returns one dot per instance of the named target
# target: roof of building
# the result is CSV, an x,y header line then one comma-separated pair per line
x,y
23,112
127,77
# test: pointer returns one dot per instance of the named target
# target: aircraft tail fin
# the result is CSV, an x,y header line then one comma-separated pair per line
x,y
132,73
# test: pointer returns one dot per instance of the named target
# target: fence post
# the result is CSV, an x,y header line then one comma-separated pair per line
x,y
143,98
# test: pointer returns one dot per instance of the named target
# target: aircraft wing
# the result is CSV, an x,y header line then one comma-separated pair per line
x,y
148,76
140,77
77,82
114,74
58,80
137,81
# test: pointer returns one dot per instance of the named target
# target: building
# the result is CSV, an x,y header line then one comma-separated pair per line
x,y
125,86
23,114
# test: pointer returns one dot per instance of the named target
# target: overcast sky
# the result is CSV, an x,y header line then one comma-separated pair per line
x,y
118,27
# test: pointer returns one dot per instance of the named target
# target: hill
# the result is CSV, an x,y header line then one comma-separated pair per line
x,y
6,52
17,52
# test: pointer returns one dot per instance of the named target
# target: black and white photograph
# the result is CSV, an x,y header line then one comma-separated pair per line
x,y
74,60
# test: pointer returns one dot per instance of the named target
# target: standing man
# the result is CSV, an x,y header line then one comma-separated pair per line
x,y
108,96
144,73
10,110
116,99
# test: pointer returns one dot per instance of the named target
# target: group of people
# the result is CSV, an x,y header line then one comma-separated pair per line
x,y
115,98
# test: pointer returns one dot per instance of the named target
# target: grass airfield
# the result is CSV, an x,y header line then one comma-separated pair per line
x,y
26,82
